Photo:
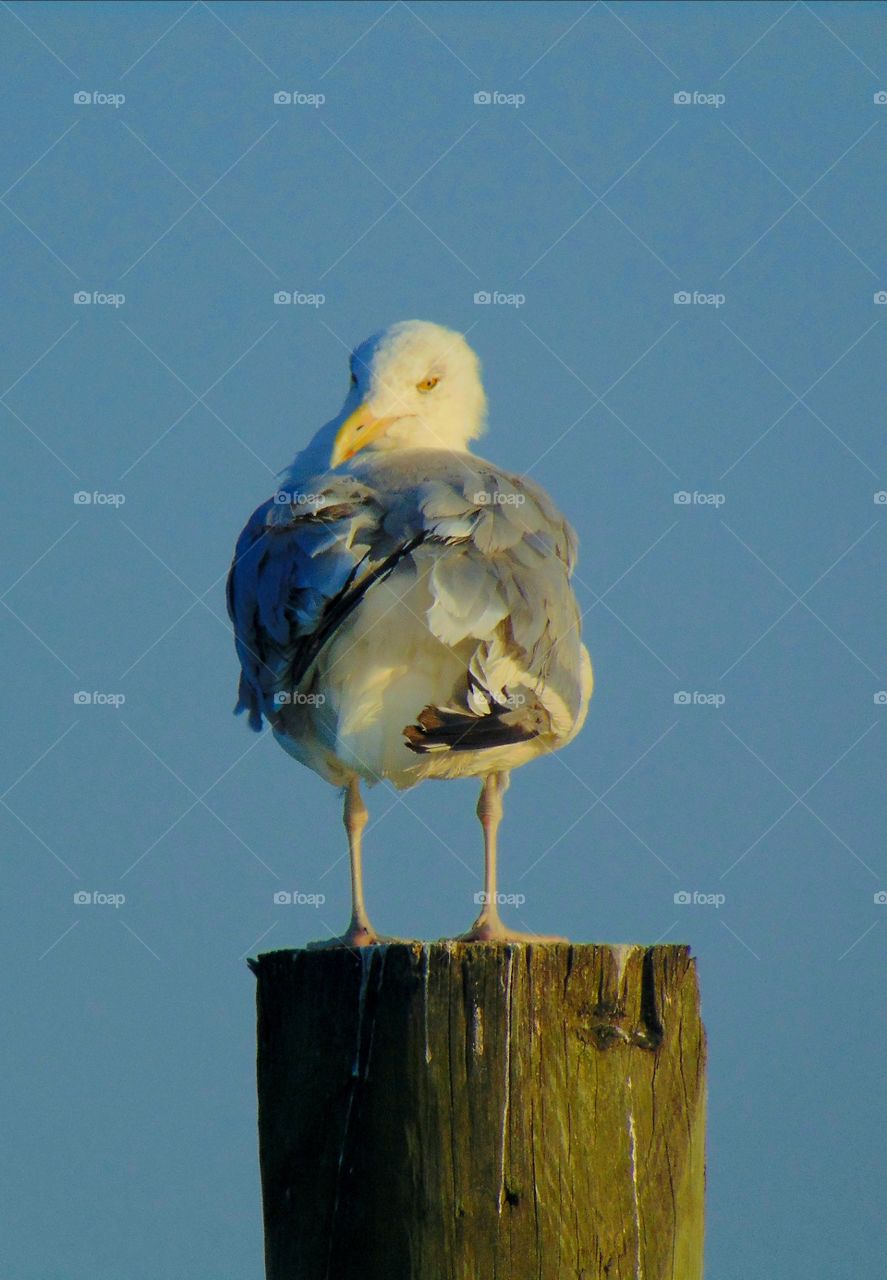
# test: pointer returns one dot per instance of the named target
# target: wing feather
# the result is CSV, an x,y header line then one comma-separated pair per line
x,y
499,557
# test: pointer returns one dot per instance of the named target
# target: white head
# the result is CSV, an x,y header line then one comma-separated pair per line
x,y
415,385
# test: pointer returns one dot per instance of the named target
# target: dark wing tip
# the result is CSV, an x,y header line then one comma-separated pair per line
x,y
440,729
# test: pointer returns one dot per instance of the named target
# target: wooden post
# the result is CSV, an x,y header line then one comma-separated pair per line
x,y
459,1111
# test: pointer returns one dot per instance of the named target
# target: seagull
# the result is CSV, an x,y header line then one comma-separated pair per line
x,y
403,609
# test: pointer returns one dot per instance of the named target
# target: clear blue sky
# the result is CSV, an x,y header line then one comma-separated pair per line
x,y
130,1148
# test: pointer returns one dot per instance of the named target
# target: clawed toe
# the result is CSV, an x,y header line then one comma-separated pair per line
x,y
356,935
487,930
354,938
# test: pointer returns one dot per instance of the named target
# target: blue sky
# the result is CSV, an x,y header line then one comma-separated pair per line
x,y
684,344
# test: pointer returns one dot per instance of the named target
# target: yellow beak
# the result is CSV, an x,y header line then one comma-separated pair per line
x,y
355,432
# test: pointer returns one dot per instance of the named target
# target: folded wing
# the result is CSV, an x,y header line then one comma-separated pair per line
x,y
497,557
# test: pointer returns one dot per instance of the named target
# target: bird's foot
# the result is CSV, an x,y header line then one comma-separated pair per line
x,y
491,929
361,934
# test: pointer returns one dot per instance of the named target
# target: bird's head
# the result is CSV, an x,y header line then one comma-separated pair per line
x,y
415,385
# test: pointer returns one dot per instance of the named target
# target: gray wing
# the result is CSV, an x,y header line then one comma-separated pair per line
x,y
301,566
502,561
497,555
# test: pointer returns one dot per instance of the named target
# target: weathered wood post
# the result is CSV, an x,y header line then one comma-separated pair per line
x,y
460,1111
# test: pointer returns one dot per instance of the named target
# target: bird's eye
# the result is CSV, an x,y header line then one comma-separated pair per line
x,y
427,384
354,379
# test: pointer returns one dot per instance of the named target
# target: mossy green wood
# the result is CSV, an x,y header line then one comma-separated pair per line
x,y
479,1112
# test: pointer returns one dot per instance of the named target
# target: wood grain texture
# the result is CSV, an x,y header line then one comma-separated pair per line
x,y
475,1112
